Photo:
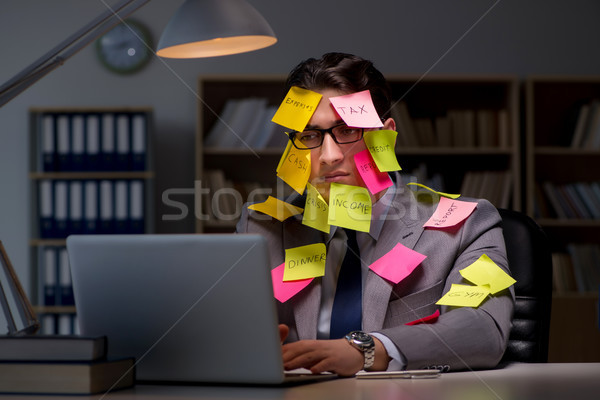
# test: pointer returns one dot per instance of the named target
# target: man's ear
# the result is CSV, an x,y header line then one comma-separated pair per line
x,y
389,124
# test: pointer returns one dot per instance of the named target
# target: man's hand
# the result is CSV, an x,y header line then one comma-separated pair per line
x,y
336,356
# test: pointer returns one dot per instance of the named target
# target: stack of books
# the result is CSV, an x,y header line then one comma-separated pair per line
x,y
56,364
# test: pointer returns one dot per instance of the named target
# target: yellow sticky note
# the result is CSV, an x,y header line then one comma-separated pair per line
x,y
297,108
485,272
294,167
464,296
450,196
349,207
304,262
381,145
316,210
276,208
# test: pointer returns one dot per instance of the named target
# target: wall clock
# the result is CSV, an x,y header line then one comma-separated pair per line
x,y
126,48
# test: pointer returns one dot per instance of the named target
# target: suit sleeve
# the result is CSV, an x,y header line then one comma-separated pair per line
x,y
464,337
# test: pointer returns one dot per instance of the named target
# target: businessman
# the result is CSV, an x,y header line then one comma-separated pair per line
x,y
351,318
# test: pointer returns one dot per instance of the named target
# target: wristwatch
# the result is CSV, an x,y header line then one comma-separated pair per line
x,y
365,343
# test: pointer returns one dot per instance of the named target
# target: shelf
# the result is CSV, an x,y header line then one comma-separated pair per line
x,y
565,151
54,309
111,175
568,223
47,242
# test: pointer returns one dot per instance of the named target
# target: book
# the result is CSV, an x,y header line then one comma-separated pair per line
x,y
66,377
52,348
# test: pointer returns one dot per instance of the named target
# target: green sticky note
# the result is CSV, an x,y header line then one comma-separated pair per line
x,y
464,296
486,272
294,167
349,207
304,262
297,108
276,208
450,196
316,210
381,145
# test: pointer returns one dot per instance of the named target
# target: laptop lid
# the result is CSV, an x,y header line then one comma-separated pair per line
x,y
189,308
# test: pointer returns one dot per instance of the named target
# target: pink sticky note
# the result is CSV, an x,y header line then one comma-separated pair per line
x,y
398,263
450,213
426,320
283,291
375,180
357,109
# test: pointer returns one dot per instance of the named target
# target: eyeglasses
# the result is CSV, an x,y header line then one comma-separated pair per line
x,y
313,138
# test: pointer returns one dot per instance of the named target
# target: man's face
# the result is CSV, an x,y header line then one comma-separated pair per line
x,y
334,162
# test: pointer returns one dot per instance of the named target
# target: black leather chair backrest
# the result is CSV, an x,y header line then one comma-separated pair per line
x,y
530,262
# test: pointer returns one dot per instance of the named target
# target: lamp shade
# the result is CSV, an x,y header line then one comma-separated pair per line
x,y
209,28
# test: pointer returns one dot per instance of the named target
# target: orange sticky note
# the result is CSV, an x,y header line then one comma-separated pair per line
x,y
282,290
357,109
375,180
449,213
294,167
398,263
276,208
297,108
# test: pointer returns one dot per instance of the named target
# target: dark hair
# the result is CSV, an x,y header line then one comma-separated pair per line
x,y
344,72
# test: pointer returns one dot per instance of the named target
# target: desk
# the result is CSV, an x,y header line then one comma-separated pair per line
x,y
516,382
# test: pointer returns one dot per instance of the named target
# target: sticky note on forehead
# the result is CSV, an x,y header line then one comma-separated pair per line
x,y
357,109
297,108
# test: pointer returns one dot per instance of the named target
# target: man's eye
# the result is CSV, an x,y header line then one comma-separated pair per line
x,y
309,136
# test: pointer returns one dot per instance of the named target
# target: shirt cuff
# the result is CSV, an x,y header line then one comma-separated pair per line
x,y
397,362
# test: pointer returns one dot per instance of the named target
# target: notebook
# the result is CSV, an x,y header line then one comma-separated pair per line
x,y
189,308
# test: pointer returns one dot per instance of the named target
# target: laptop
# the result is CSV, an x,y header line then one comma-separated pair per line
x,y
189,308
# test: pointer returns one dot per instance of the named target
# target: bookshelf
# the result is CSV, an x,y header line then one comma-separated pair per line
x,y
562,155
471,125
90,172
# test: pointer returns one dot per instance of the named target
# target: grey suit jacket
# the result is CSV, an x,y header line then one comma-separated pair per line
x,y
462,337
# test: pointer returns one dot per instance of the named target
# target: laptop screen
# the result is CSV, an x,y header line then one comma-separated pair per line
x,y
189,308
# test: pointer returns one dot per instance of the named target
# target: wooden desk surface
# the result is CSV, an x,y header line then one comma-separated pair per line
x,y
579,381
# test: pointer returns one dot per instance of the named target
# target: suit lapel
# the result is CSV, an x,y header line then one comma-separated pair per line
x,y
404,224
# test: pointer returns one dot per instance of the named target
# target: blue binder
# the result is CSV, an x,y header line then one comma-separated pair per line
x,y
63,142
91,210
48,143
138,142
92,143
46,209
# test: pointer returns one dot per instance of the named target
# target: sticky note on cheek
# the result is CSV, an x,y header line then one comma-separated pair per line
x,y
375,180
294,167
297,108
449,213
381,145
304,262
357,110
464,296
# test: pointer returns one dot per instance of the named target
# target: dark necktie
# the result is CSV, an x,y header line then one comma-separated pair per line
x,y
346,315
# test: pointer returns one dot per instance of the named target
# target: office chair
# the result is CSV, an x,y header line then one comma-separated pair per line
x,y
530,262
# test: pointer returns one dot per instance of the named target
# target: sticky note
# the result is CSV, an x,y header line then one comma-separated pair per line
x,y
381,145
451,196
349,207
450,213
375,180
464,296
397,263
283,291
276,208
294,167
297,108
357,110
425,320
304,262
484,271
316,210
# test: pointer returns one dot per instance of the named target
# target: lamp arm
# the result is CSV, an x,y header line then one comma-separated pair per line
x,y
67,48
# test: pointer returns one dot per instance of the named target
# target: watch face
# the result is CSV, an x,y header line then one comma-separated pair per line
x,y
126,48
